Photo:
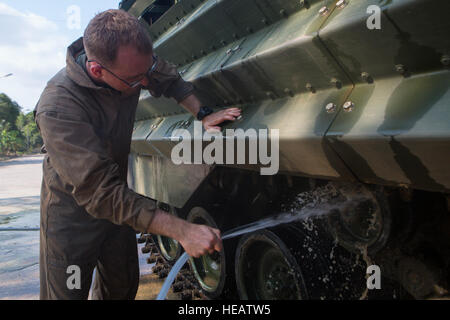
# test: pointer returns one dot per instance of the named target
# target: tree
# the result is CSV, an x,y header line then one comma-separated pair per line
x,y
18,131
9,111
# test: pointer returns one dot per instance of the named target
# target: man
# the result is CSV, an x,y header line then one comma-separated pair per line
x,y
89,216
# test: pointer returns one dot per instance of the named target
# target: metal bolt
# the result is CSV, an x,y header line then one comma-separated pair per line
x,y
366,77
271,95
324,11
337,83
445,60
146,250
400,68
289,92
331,107
348,106
310,87
283,12
341,4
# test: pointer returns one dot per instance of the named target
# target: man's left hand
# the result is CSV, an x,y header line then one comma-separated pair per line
x,y
211,123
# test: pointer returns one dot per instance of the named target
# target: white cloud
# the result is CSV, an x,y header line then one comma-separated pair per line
x,y
33,48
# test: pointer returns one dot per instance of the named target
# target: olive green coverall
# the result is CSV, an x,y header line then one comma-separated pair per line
x,y
89,216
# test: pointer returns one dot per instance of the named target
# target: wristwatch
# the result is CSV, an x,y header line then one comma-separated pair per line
x,y
204,112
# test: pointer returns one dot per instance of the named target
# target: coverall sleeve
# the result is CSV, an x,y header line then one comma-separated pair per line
x,y
81,160
165,80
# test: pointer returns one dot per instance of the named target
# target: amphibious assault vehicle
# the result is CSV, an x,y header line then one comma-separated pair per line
x,y
358,91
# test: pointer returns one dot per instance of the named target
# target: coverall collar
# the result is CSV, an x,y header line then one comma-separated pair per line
x,y
78,74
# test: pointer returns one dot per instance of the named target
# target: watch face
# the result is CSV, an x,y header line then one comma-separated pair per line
x,y
204,112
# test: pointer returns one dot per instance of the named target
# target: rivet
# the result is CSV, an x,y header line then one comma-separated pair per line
x,y
289,92
264,21
331,107
365,76
249,30
304,4
400,68
337,83
348,106
445,60
310,87
283,12
270,95
324,11
341,4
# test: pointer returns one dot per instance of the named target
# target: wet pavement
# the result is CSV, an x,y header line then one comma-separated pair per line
x,y
20,183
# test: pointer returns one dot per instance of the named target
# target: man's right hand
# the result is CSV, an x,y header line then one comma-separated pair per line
x,y
199,240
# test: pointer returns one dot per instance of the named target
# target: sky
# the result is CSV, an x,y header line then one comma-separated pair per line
x,y
34,36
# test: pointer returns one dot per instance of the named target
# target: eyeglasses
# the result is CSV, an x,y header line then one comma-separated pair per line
x,y
136,83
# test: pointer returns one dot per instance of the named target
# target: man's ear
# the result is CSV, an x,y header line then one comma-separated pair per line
x,y
95,69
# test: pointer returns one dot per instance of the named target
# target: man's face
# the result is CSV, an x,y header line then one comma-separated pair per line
x,y
130,66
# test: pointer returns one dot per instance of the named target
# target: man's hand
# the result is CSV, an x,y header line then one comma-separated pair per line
x,y
211,122
199,240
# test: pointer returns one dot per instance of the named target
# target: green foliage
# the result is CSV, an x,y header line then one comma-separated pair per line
x,y
18,131
9,111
